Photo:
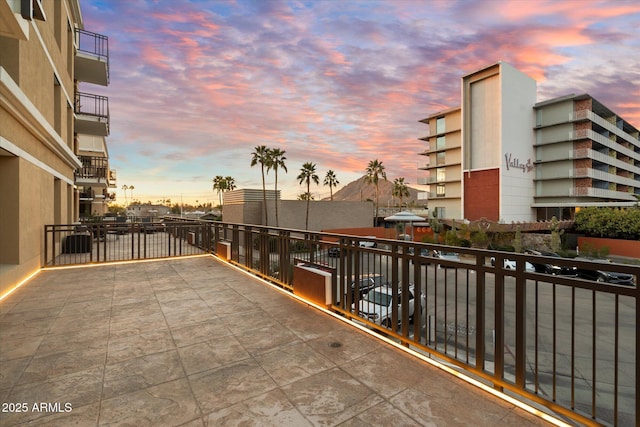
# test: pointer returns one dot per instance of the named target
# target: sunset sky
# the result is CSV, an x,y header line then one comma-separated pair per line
x,y
196,85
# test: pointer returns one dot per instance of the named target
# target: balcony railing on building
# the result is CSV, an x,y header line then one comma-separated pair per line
x,y
557,340
93,171
92,112
92,57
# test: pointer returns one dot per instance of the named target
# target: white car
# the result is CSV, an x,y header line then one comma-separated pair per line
x,y
511,265
377,305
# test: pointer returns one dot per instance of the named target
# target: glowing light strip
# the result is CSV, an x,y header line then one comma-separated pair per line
x,y
15,288
528,408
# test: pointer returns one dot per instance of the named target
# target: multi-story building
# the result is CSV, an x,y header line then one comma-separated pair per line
x,y
505,157
51,133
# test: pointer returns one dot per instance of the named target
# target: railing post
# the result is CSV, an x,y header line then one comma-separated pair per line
x,y
521,324
498,306
480,315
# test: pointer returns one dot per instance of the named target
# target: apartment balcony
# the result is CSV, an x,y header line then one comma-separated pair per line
x,y
601,193
92,58
93,171
221,345
92,114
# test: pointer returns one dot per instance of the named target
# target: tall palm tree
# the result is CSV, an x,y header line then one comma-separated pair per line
x,y
131,188
331,180
231,183
261,156
125,187
400,189
374,171
308,174
276,161
219,185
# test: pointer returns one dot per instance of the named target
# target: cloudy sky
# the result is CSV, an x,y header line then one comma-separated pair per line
x,y
196,85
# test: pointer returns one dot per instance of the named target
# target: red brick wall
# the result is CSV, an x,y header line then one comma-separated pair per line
x,y
482,195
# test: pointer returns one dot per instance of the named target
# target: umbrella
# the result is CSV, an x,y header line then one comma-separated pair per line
x,y
405,216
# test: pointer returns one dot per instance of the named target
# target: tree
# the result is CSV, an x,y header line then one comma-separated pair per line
x,y
400,189
222,184
261,156
125,187
331,180
308,174
219,185
131,188
276,161
375,170
305,196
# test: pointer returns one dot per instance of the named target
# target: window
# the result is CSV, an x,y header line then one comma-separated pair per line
x,y
440,143
440,190
440,125
440,174
440,158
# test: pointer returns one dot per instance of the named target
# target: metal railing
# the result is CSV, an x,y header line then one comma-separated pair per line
x,y
92,105
122,241
550,331
557,340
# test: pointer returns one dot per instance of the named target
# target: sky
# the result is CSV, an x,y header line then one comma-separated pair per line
x,y
195,85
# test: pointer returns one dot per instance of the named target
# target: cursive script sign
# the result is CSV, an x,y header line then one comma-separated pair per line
x,y
516,163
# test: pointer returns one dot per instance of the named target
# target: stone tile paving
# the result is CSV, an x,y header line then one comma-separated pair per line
x,y
195,342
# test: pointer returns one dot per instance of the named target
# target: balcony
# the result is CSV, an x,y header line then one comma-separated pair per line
x,y
92,114
112,179
93,171
196,341
505,349
92,58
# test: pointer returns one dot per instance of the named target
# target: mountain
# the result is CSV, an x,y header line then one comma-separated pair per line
x,y
359,190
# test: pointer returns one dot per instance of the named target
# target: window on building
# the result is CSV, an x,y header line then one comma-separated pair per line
x,y
440,174
440,190
440,212
440,125
440,158
440,143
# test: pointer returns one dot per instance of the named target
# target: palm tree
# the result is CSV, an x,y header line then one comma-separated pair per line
x,y
331,180
261,156
219,185
400,189
131,188
231,183
276,161
125,187
308,174
305,196
375,170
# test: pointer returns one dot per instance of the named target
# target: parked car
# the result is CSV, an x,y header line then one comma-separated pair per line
x,y
377,305
366,282
511,265
424,255
333,252
549,268
605,276
449,256
368,243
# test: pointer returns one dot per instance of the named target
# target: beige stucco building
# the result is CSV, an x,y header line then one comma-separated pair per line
x,y
52,134
245,206
506,157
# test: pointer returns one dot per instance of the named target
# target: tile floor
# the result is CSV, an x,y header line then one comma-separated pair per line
x,y
195,342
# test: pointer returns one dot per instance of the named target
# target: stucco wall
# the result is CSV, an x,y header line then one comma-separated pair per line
x,y
292,214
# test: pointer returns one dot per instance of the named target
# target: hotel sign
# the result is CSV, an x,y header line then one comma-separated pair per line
x,y
513,162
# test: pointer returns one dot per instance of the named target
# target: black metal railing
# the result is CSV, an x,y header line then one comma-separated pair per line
x,y
118,240
93,43
92,105
550,331
93,167
531,326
